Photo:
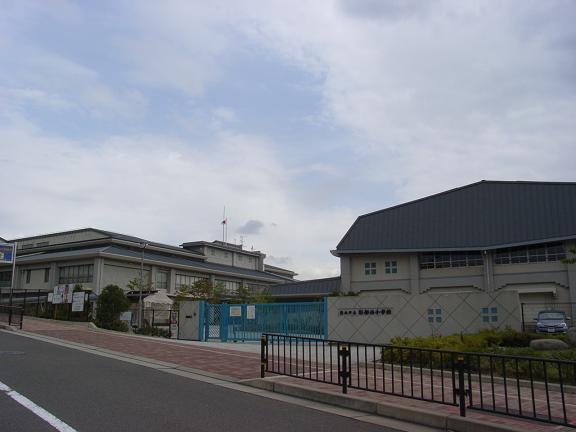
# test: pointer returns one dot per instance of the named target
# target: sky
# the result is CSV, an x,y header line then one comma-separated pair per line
x,y
148,118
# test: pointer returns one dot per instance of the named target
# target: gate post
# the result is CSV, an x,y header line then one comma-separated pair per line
x,y
224,312
263,358
461,391
344,353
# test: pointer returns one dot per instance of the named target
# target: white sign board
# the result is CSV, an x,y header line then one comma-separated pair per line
x,y
251,312
174,324
126,316
57,298
78,301
235,311
50,297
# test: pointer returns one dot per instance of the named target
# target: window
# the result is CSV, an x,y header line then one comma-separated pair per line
x,y
187,281
391,267
161,280
434,315
370,268
231,287
46,275
28,276
5,278
490,314
76,274
531,254
432,260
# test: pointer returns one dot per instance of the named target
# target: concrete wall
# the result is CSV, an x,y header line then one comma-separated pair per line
x,y
120,273
376,318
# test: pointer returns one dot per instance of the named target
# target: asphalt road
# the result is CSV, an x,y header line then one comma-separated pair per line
x,y
95,393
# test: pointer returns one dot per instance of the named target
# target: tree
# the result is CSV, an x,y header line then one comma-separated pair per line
x,y
571,260
110,304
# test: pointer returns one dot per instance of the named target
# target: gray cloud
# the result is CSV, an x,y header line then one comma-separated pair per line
x,y
390,9
251,227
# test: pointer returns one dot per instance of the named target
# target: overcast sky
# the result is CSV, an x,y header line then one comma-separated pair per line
x,y
148,117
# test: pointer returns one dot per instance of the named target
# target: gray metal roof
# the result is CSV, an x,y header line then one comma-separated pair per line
x,y
483,215
309,287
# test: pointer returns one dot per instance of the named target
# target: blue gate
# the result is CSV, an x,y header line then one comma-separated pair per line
x,y
246,322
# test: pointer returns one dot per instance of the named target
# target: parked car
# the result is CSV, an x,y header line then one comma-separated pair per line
x,y
551,321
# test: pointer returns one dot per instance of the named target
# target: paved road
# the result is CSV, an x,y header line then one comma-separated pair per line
x,y
94,393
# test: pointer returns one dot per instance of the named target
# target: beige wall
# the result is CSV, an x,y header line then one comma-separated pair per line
x,y
357,267
409,315
121,274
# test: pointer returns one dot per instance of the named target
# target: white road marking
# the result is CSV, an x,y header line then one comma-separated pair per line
x,y
53,421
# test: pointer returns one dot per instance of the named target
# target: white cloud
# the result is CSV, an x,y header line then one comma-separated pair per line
x,y
161,188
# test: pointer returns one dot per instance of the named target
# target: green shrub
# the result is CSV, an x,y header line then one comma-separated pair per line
x,y
110,304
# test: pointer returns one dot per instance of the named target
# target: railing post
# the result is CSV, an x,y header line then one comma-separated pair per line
x,y
263,359
461,391
344,353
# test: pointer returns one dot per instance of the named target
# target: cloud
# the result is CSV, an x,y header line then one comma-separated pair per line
x,y
149,185
251,227
439,96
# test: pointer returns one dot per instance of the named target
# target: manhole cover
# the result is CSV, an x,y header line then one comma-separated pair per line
x,y
11,353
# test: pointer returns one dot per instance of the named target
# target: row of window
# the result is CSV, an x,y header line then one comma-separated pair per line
x,y
532,254
489,314
187,281
450,259
239,256
526,254
389,267
75,274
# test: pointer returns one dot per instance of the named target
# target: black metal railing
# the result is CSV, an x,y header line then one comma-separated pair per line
x,y
11,315
526,387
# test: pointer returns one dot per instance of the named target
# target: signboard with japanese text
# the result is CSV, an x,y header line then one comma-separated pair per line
x,y
235,311
251,312
78,301
6,253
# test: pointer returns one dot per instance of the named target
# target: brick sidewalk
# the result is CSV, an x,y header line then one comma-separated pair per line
x,y
234,364
230,363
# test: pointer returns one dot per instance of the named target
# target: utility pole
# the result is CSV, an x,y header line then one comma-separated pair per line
x,y
140,302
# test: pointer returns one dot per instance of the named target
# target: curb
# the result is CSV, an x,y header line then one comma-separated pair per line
x,y
447,422
8,327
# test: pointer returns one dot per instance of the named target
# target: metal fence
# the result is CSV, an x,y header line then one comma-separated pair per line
x,y
35,303
531,388
11,315
247,322
530,313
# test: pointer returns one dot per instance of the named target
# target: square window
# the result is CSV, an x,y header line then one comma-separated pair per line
x,y
438,319
485,319
430,311
391,267
494,318
370,268
430,319
485,310
438,311
494,310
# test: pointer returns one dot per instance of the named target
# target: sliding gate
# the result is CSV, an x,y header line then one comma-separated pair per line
x,y
247,322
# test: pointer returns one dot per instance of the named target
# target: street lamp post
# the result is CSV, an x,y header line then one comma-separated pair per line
x,y
140,303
